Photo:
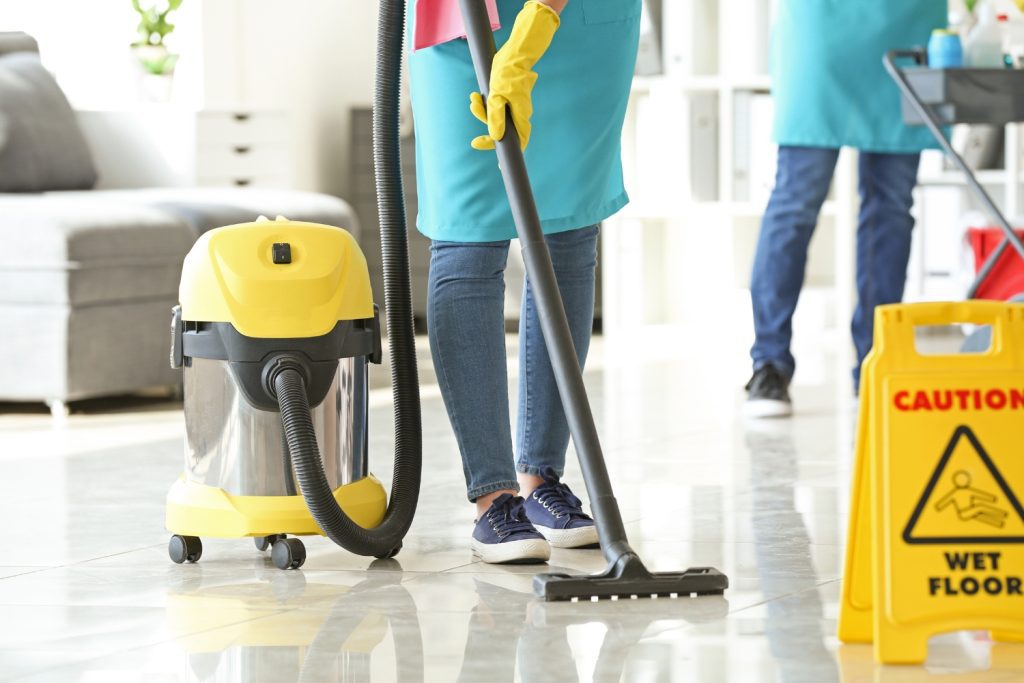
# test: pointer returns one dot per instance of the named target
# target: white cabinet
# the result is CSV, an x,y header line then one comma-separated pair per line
x,y
242,148
172,147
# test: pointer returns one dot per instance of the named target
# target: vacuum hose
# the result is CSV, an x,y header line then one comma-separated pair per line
x,y
385,539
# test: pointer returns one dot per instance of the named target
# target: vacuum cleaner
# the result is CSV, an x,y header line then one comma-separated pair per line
x,y
275,332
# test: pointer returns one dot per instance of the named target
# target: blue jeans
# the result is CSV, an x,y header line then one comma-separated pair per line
x,y
466,322
885,224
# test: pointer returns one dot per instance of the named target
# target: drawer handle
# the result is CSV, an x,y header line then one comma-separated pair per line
x,y
241,117
242,149
242,182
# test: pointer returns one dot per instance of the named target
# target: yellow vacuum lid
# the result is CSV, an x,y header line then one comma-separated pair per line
x,y
276,279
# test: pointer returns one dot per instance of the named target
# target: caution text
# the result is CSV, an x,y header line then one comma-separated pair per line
x,y
959,399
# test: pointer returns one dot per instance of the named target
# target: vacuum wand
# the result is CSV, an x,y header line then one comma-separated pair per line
x,y
626,574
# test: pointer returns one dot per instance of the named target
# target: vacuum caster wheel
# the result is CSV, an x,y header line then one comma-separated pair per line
x,y
184,548
266,542
388,555
288,553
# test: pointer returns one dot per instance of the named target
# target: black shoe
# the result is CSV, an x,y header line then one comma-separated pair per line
x,y
768,394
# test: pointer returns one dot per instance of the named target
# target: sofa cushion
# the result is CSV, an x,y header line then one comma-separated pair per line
x,y
16,41
210,207
69,353
45,148
83,248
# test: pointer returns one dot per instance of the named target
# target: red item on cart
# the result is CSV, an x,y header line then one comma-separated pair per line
x,y
1007,278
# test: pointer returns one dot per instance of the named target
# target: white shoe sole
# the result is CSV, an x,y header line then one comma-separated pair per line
x,y
761,408
569,538
533,551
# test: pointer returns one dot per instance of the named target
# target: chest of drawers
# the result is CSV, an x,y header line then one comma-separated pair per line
x,y
173,147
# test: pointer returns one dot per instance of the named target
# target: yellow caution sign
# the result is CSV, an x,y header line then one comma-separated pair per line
x,y
936,535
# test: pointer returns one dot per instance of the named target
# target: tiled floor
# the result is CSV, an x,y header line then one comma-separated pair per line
x,y
87,592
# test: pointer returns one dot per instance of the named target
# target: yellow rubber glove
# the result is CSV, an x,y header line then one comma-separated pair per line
x,y
512,75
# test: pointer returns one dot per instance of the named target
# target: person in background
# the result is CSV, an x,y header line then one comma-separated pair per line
x,y
564,69
831,90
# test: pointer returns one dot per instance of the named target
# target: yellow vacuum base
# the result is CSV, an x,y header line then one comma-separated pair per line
x,y
197,510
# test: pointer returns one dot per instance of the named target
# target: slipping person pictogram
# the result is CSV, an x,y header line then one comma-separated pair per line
x,y
967,482
972,504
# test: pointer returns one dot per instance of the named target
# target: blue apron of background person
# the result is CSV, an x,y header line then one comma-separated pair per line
x,y
583,80
831,90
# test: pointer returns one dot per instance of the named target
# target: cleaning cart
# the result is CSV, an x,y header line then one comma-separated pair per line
x,y
942,97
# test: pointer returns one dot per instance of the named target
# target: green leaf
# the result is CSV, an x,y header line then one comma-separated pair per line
x,y
154,26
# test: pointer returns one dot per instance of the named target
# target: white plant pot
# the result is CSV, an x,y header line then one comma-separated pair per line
x,y
154,88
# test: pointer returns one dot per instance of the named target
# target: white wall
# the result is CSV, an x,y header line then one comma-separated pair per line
x,y
86,46
313,58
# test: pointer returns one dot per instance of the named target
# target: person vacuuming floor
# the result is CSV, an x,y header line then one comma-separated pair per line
x,y
625,574
580,57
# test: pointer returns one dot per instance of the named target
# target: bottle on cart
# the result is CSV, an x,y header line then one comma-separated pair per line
x,y
945,50
983,48
1013,40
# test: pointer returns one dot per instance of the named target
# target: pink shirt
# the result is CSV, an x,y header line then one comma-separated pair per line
x,y
438,21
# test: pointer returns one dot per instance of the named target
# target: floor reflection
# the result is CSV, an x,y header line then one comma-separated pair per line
x,y
329,634
513,634
794,627
965,657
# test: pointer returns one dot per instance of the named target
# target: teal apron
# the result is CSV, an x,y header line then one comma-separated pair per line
x,y
574,155
828,81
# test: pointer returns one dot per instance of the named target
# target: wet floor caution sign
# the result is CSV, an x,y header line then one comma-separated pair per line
x,y
936,535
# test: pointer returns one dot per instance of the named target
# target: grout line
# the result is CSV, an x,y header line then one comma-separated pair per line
x,y
117,554
817,586
80,563
451,570
31,570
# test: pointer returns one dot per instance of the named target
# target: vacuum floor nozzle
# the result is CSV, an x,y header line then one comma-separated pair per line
x,y
628,578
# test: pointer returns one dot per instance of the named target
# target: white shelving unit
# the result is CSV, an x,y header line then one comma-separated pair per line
x,y
699,163
685,245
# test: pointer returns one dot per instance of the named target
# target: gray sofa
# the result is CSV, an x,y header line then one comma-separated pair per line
x,y
88,277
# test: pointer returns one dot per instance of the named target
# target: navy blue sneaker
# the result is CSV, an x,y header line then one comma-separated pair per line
x,y
504,535
558,514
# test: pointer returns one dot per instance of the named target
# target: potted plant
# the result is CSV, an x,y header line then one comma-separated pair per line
x,y
151,52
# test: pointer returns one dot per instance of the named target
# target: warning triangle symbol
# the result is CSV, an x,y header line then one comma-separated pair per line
x,y
967,500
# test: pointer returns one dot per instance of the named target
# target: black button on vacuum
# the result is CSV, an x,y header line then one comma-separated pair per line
x,y
282,252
